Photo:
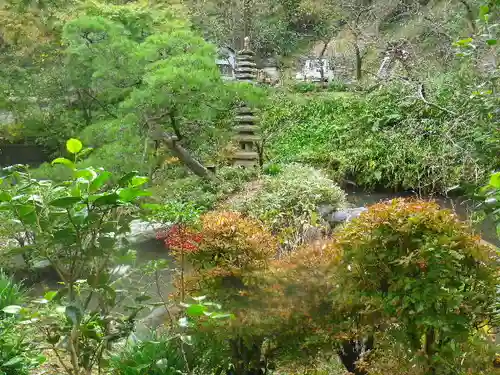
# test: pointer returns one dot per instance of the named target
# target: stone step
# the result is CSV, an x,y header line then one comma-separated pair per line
x,y
246,52
249,119
245,63
245,77
246,155
245,69
247,138
246,128
243,111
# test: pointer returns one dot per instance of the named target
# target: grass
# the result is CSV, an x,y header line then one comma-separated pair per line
x,y
11,293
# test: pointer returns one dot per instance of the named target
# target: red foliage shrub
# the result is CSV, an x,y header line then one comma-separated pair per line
x,y
179,237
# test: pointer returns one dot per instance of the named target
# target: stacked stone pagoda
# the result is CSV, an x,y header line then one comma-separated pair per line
x,y
246,122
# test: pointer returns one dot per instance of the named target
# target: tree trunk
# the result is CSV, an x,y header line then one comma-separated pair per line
x,y
470,16
246,357
180,152
359,60
352,351
320,60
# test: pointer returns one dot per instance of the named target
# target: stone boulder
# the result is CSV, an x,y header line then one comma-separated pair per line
x,y
335,217
142,231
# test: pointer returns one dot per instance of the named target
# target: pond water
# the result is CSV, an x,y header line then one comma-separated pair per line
x,y
17,153
135,284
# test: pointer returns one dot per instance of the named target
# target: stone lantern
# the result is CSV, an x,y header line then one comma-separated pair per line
x,y
246,128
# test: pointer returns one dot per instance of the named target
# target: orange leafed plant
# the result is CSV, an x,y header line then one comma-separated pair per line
x,y
230,249
233,242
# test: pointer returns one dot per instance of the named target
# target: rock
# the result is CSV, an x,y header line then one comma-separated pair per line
x,y
345,215
325,209
142,231
155,320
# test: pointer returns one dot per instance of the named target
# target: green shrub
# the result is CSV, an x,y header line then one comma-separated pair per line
x,y
422,273
202,193
304,87
158,356
11,293
17,355
288,202
337,86
17,349
387,138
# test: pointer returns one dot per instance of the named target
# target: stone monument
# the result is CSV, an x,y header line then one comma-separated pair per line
x,y
246,122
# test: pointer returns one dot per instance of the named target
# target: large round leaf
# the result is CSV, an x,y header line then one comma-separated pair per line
x,y
74,145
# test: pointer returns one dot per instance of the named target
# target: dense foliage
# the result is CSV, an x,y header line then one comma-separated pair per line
x,y
382,140
420,270
288,203
17,354
75,227
406,288
230,248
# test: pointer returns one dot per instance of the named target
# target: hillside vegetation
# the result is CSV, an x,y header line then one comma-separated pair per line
x,y
165,257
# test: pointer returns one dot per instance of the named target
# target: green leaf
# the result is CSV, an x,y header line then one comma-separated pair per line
x,y
90,332
106,199
49,296
222,316
12,309
65,202
151,206
98,182
129,194
85,152
64,161
5,197
73,145
25,209
138,181
88,174
483,11
127,178
13,361
495,180
464,42
106,242
196,310
491,42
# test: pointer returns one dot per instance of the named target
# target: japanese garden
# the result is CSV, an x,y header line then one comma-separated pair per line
x,y
249,187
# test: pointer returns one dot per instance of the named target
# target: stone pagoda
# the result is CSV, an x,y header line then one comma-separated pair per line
x,y
246,123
